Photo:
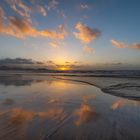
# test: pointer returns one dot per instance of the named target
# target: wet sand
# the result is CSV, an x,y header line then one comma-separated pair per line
x,y
122,87
48,108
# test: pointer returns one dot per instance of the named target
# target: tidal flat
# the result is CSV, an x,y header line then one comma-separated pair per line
x,y
36,107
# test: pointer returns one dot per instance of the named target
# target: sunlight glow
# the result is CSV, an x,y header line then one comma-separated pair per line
x,y
63,68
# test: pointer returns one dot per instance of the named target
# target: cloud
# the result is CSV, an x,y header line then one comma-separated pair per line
x,y
135,46
84,6
21,25
119,44
60,33
19,7
54,44
42,10
22,28
88,49
61,14
50,62
20,61
16,61
53,4
29,63
86,34
2,13
24,10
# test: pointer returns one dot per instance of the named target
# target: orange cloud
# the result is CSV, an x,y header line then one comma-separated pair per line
x,y
86,34
60,33
135,46
119,44
22,28
88,49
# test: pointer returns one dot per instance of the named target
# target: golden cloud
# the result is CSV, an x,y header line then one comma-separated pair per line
x,y
119,44
86,34
22,28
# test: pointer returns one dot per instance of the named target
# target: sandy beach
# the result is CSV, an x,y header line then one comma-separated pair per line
x,y
68,108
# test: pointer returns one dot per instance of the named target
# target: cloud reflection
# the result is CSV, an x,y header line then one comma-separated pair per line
x,y
86,98
19,116
16,122
85,114
120,103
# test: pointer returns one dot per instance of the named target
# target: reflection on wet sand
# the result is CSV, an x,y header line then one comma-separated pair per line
x,y
22,116
85,114
86,98
21,80
8,101
122,102
18,120
54,101
55,109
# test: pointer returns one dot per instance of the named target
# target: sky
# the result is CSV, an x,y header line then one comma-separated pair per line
x,y
71,34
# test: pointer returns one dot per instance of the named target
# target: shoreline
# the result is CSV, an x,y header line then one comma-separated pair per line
x,y
107,90
117,86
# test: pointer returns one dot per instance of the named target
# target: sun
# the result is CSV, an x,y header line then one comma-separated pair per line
x,y
63,68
